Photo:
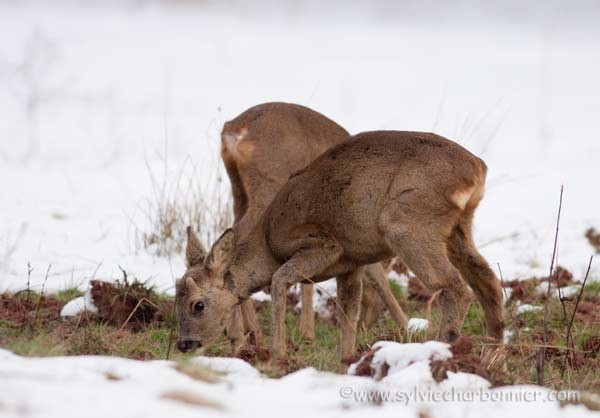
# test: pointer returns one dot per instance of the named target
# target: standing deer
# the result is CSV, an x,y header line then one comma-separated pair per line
x,y
261,149
378,195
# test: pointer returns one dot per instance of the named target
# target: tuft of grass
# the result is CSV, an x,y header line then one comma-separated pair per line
x,y
397,290
178,200
66,295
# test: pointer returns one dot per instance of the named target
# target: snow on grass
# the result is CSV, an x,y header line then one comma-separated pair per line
x,y
261,296
78,305
508,334
323,292
232,367
528,308
565,291
417,325
96,386
398,356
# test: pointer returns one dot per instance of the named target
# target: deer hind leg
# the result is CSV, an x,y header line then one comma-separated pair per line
x,y
476,271
431,264
307,313
416,227
349,293
315,257
376,279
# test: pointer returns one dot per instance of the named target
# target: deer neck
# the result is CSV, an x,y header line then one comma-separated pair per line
x,y
254,263
247,223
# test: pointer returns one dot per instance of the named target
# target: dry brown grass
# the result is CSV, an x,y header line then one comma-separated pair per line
x,y
179,199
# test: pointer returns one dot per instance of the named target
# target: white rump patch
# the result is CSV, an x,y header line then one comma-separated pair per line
x,y
229,142
461,197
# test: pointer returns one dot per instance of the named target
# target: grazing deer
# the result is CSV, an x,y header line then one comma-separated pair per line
x,y
376,196
261,149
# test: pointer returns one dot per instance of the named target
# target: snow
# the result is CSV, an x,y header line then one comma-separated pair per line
x,y
78,305
96,386
417,325
565,291
400,279
231,367
261,296
398,356
323,292
528,308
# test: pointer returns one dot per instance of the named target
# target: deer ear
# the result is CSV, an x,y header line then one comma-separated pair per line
x,y
194,252
221,253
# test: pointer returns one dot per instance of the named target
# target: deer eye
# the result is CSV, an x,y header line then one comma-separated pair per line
x,y
198,307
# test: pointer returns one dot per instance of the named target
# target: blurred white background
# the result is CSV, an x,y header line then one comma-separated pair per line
x,y
103,101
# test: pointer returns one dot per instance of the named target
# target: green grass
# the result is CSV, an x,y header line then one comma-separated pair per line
x,y
68,294
51,335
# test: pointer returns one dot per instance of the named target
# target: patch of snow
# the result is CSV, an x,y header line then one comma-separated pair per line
x,y
399,356
261,296
401,279
78,305
417,325
98,387
566,291
323,292
228,366
569,291
508,333
528,308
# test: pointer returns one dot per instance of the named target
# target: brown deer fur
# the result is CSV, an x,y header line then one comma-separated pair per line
x,y
378,195
261,149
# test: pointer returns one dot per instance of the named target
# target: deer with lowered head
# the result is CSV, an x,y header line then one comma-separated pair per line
x,y
261,149
378,195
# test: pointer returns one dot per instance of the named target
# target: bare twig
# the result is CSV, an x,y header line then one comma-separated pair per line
x,y
142,300
37,308
502,281
124,275
540,359
29,271
512,316
570,326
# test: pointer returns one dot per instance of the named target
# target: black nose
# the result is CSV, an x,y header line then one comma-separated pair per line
x,y
187,345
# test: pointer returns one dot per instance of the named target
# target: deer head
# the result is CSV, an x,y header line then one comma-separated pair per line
x,y
203,302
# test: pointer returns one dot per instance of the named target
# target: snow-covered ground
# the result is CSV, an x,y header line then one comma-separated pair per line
x,y
107,386
93,99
